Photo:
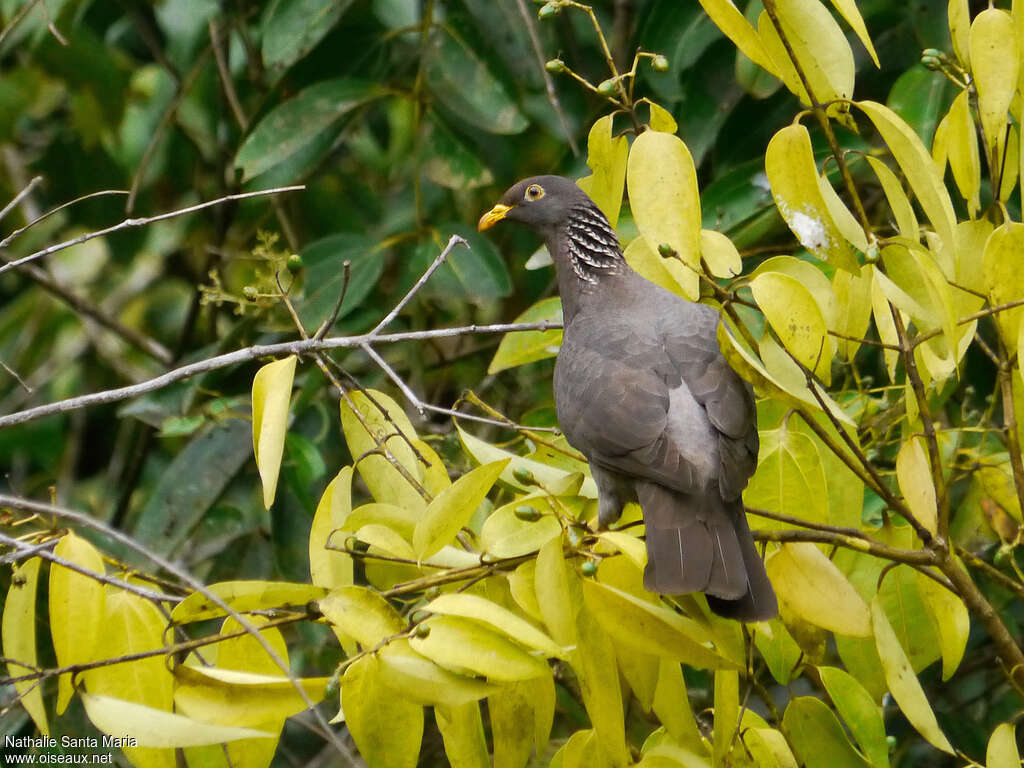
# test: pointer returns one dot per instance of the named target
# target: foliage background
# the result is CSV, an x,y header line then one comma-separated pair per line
x,y
404,120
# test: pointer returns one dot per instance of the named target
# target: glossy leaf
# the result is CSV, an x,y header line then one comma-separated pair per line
x,y
796,317
329,568
1004,280
271,394
663,197
460,644
294,124
419,679
386,728
244,596
720,254
156,728
324,276
462,731
521,347
994,64
952,621
496,617
817,737
789,476
506,534
913,471
1002,748
234,697
450,510
291,28
76,609
361,614
521,716
461,81
373,418
817,591
791,171
903,683
19,639
860,713
730,20
606,156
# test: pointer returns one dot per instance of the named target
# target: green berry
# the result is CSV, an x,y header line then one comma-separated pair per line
x,y
933,52
422,630
548,11
666,251
555,66
528,513
932,63
250,292
589,568
660,64
294,263
607,88
524,476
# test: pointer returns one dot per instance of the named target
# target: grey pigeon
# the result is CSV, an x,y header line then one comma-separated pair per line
x,y
642,390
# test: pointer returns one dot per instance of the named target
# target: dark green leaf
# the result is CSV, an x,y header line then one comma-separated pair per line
x,y
291,28
292,125
921,97
462,83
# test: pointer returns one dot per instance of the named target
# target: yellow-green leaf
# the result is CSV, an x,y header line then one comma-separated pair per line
x,y
848,10
903,683
732,22
496,617
860,713
914,474
271,393
368,419
727,710
156,728
916,163
462,645
793,176
993,42
961,144
660,118
19,639
952,622
234,697
553,594
667,271
720,254
959,14
899,203
843,218
795,316
769,748
76,609
506,534
651,628
521,717
820,47
853,309
1002,749
244,596
450,510
606,156
329,568
663,197
790,477
817,737
386,728
547,476
884,323
462,730
414,676
817,591
1004,279
361,614
598,676
521,347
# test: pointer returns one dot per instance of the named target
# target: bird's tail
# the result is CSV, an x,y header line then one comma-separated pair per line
x,y
701,543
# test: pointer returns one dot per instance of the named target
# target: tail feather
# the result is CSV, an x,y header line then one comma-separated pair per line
x,y
701,543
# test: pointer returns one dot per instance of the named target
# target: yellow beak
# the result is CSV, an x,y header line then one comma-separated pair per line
x,y
493,216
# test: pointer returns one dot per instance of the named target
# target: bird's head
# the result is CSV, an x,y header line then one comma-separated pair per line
x,y
540,202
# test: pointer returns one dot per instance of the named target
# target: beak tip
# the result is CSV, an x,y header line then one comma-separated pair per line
x,y
492,217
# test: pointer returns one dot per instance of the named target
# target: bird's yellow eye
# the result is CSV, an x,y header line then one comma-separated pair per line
x,y
534,192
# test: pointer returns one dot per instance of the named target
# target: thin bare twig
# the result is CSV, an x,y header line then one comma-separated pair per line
x,y
452,242
298,347
225,75
187,578
141,222
14,374
549,83
25,192
101,193
25,551
18,18
327,324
